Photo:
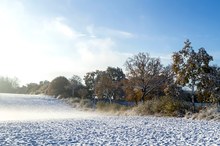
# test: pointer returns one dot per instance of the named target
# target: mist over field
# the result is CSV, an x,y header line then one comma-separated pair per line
x,y
17,107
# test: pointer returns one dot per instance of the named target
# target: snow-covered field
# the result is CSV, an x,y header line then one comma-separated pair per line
x,y
92,129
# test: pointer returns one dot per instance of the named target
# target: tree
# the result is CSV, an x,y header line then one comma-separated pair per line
x,y
116,74
144,73
90,81
104,87
75,83
191,68
108,83
171,89
82,92
60,86
32,88
131,94
216,90
8,85
43,87
211,90
117,77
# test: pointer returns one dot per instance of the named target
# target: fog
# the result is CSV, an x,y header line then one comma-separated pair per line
x,y
15,107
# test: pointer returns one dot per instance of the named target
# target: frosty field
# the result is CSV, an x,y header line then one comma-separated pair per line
x,y
92,129
111,131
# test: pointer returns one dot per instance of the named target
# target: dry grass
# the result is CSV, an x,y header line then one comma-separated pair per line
x,y
209,113
112,108
164,106
79,103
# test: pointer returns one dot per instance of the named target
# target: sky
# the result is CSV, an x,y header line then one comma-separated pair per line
x,y
43,39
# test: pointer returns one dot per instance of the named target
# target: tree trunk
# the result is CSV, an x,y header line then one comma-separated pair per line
x,y
218,102
109,98
136,101
143,95
142,98
193,97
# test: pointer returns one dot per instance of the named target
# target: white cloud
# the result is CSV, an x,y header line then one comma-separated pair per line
x,y
108,32
97,52
90,30
118,33
49,47
58,25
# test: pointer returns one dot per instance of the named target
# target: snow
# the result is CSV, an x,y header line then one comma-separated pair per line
x,y
111,131
92,129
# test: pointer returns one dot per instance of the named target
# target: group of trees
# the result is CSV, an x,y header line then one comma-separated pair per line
x,y
8,85
105,84
146,78
11,85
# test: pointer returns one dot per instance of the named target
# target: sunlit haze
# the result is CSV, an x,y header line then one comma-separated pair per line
x,y
37,107
40,40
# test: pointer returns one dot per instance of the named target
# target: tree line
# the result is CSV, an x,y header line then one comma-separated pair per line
x,y
190,77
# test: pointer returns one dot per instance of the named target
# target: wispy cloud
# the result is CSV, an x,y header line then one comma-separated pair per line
x,y
58,25
118,33
109,32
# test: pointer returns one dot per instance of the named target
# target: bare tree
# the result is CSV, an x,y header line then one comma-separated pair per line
x,y
144,72
75,82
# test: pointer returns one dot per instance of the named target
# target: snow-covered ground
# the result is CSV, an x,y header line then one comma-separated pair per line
x,y
91,129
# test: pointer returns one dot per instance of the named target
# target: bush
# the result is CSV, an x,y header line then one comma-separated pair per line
x,y
86,103
73,102
162,106
144,109
113,107
79,103
209,113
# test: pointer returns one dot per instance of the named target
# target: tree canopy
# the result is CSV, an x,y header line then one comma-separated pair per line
x,y
191,68
60,86
144,72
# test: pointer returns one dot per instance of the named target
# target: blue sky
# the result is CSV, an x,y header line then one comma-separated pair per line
x,y
43,39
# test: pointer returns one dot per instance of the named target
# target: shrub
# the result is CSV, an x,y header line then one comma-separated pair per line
x,y
144,109
163,106
86,103
75,100
113,107
209,113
